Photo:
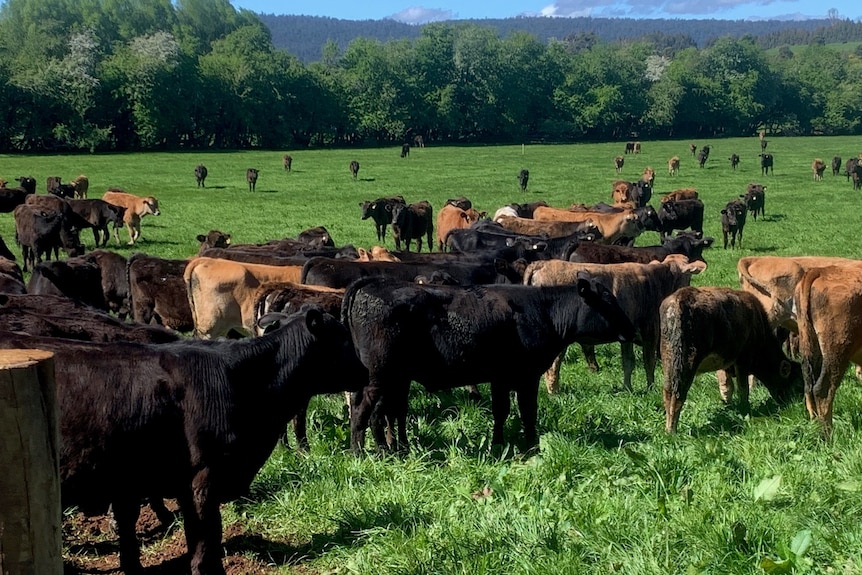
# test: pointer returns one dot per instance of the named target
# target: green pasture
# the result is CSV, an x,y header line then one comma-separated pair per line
x,y
608,492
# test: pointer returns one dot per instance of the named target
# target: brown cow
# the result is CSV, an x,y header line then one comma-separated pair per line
x,y
612,226
818,166
678,195
82,185
673,165
551,229
451,218
136,208
287,161
158,293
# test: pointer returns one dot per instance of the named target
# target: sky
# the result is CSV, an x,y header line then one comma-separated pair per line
x,y
411,12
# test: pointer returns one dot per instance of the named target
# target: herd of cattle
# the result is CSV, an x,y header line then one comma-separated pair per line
x,y
147,413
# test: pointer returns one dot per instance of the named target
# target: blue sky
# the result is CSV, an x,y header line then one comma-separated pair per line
x,y
412,11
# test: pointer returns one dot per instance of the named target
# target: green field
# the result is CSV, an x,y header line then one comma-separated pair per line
x,y
609,491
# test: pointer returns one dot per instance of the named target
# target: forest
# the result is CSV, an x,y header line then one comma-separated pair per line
x,y
104,75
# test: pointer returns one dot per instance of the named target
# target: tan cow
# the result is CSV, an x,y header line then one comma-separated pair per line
x,y
640,289
453,218
222,293
677,195
376,254
136,208
818,166
621,192
673,166
81,185
552,229
612,225
828,301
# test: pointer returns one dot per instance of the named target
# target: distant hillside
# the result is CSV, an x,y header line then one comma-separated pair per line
x,y
304,36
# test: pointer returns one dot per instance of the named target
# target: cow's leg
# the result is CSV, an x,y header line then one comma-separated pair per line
x,y
677,382
396,415
627,350
126,512
166,518
725,385
202,521
528,405
650,353
96,235
590,357
742,374
500,407
131,231
300,430
364,403
552,376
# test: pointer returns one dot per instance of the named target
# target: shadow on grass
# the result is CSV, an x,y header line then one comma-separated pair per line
x,y
763,249
730,419
773,218
365,179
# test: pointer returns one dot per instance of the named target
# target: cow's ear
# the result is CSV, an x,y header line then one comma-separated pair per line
x,y
201,237
314,320
271,321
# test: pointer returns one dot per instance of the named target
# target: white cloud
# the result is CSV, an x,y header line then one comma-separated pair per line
x,y
657,8
422,15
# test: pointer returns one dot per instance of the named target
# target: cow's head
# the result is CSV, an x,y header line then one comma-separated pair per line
x,y
152,206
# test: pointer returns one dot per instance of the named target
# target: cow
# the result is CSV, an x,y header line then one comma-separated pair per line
x,y
201,175
11,277
82,186
413,221
55,203
641,192
405,150
702,158
828,301
251,175
51,183
673,166
287,162
462,332
98,214
39,231
523,179
450,218
850,167
762,144
836,165
715,328
549,229
637,149
639,289
63,190
136,208
5,252
755,199
734,161
705,151
354,169
630,148
526,210
316,238
158,293
856,176
693,149
682,194
686,244
10,198
418,141
818,166
612,226
648,175
461,202
733,222
479,240
192,420
212,239
766,164
380,211
221,293
680,215
619,161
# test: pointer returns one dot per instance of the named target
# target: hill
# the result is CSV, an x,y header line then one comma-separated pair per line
x,y
304,36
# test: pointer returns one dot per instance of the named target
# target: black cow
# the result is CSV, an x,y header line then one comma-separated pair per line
x,y
39,231
523,179
681,215
11,278
836,165
733,222
10,198
380,210
526,210
734,161
158,293
856,176
640,193
98,214
630,148
251,175
213,239
74,278
688,244
411,222
850,167
405,150
461,333
702,158
496,237
201,175
755,199
64,190
766,163
5,252
194,420
354,169
762,144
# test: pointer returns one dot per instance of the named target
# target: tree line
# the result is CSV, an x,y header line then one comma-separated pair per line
x,y
157,74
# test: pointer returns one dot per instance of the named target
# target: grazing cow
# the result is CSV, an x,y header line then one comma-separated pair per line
x,y
705,151
51,183
818,166
405,150
82,186
836,165
702,158
11,277
828,303
39,231
287,162
619,161
676,195
450,218
136,208
60,316
380,210
693,149
411,222
755,199
251,175
734,161
766,163
221,293
523,179
98,214
192,420
462,332
680,215
158,292
639,289
612,226
733,222
637,149
213,239
673,166
713,328
354,169
201,175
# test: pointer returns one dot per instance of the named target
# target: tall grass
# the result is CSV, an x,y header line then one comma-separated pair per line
x,y
608,491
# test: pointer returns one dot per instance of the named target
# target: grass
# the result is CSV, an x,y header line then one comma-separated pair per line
x,y
608,491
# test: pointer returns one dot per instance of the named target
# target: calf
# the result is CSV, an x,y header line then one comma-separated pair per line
x,y
201,175
755,199
733,222
818,166
451,218
157,292
213,239
683,194
411,222
523,179
766,163
836,165
98,214
63,190
680,215
10,198
693,149
630,148
462,332
75,278
287,162
686,244
82,186
39,231
405,150
192,420
619,161
136,208
354,169
712,328
380,211
856,176
850,167
51,183
548,228
251,175
612,226
11,277
526,210
702,157
673,165
734,161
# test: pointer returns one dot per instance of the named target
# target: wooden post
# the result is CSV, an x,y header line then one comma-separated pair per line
x,y
30,514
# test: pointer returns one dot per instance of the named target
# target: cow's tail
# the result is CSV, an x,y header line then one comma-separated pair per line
x,y
742,271
192,287
530,273
809,344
